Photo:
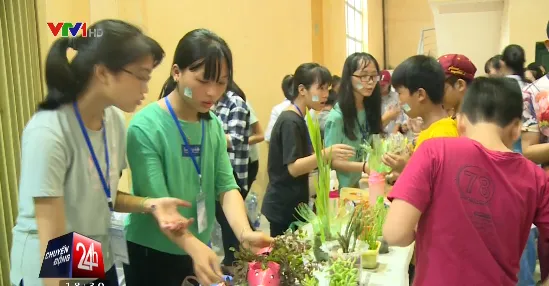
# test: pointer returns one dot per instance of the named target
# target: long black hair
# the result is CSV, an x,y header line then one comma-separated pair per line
x,y
346,97
514,58
120,44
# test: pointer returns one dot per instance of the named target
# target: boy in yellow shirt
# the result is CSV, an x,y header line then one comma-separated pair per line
x,y
420,83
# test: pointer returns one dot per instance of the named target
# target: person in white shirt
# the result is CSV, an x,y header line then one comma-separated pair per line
x,y
390,107
275,112
256,137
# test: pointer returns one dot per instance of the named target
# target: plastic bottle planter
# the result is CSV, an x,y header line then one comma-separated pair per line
x,y
353,256
192,280
369,257
258,276
384,248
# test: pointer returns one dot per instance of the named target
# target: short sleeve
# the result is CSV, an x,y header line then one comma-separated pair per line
x,y
529,120
122,132
44,163
224,179
274,116
253,116
333,131
292,142
541,218
414,185
145,164
237,125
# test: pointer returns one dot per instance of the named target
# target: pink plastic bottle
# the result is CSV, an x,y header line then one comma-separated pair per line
x,y
334,202
376,187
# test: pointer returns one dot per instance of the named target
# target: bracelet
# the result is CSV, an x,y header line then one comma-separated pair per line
x,y
142,205
364,167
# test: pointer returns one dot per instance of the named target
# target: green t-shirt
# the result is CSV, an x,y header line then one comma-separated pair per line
x,y
333,134
161,167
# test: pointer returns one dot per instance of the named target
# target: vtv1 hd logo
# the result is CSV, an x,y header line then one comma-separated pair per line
x,y
71,29
73,256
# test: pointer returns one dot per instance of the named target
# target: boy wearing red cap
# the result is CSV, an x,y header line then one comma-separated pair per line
x,y
393,116
460,72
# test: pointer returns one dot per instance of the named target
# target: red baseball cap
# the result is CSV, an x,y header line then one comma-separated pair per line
x,y
385,78
458,65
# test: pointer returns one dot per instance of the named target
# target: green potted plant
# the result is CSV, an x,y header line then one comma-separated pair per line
x,y
321,220
344,273
374,222
288,251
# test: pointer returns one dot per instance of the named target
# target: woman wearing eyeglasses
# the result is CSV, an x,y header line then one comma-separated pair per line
x,y
356,115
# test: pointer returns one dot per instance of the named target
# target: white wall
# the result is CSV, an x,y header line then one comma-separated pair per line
x,y
471,28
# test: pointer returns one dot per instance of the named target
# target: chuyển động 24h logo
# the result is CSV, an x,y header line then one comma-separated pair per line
x,y
73,256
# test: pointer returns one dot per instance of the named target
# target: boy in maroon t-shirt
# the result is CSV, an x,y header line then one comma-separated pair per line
x,y
472,198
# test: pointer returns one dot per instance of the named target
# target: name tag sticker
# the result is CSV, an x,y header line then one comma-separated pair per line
x,y
201,214
195,149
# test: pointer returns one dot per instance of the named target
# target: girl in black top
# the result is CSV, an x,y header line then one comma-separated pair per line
x,y
291,155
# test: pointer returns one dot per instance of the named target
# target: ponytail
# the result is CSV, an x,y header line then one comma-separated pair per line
x,y
288,87
60,79
169,85
514,58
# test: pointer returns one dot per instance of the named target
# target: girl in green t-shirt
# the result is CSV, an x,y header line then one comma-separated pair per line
x,y
177,147
356,115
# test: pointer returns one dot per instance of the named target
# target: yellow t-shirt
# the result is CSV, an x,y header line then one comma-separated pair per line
x,y
445,127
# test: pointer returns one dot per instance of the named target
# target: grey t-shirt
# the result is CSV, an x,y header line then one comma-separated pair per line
x,y
56,162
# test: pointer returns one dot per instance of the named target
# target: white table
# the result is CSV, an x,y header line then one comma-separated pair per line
x,y
392,269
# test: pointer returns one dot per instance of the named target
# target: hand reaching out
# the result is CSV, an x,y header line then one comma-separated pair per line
x,y
392,112
256,240
395,162
341,152
207,266
165,210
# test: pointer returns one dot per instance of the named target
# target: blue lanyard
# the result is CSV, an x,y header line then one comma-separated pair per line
x,y
187,145
363,130
105,181
308,135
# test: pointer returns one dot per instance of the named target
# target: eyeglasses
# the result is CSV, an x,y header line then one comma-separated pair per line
x,y
367,78
144,79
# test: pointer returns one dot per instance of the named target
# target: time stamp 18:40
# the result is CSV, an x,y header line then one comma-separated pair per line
x,y
83,283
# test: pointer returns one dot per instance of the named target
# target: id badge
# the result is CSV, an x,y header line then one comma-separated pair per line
x,y
119,247
201,213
